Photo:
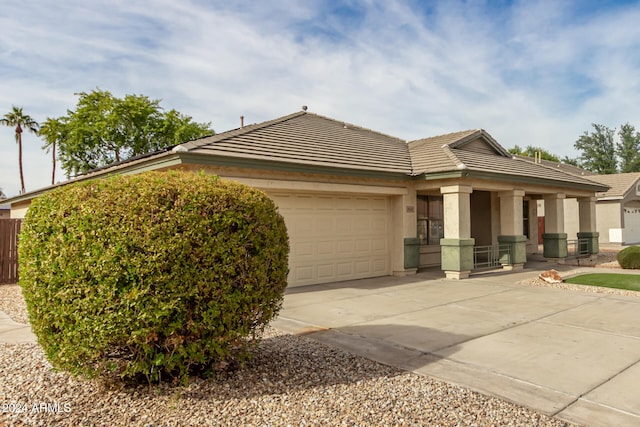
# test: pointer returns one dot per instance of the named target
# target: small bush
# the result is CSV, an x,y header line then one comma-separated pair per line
x,y
629,257
152,277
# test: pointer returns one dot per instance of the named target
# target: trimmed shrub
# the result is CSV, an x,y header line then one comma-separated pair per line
x,y
152,277
629,257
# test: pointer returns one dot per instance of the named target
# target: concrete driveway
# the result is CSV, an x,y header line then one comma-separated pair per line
x,y
570,354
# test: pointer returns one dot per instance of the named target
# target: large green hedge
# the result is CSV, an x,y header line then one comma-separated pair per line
x,y
629,257
152,277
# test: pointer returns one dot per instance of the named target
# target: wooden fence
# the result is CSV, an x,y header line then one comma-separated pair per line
x,y
9,229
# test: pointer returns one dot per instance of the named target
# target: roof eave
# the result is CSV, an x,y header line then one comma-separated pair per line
x,y
162,160
470,173
537,180
281,166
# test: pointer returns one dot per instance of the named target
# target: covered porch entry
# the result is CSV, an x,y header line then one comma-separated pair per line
x,y
472,227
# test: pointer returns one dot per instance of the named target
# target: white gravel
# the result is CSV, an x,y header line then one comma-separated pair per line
x,y
292,381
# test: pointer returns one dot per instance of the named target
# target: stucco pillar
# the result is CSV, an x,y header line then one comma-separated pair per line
x,y
406,254
457,244
554,239
587,214
511,228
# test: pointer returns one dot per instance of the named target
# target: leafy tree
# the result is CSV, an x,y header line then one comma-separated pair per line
x,y
104,129
598,150
16,118
628,148
531,151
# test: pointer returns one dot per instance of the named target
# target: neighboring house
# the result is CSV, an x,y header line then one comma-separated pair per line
x,y
5,211
358,203
618,209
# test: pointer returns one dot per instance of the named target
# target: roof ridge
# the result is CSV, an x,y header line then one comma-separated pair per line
x,y
352,126
451,155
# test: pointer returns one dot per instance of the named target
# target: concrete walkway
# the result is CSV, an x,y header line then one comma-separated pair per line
x,y
14,333
570,354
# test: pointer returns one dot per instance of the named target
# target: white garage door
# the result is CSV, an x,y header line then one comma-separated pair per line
x,y
335,237
631,225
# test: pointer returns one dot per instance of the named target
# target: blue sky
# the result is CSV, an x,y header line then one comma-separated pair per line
x,y
529,72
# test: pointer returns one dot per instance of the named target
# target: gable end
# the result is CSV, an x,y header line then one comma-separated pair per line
x,y
479,145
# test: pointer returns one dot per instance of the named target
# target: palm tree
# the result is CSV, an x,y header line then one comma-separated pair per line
x,y
21,121
51,131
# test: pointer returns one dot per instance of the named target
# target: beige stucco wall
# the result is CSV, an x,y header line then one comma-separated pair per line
x,y
19,210
571,218
609,221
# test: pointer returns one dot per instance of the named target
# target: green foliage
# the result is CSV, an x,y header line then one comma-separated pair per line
x,y
598,150
628,149
629,282
104,129
629,257
602,154
154,276
532,151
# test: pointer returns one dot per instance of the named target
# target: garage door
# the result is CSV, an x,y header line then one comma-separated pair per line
x,y
334,237
631,224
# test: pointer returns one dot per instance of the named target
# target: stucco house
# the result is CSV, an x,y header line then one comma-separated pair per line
x,y
359,203
617,209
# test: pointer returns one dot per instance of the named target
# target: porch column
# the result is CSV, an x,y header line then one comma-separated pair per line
x,y
511,228
554,240
587,213
406,249
457,244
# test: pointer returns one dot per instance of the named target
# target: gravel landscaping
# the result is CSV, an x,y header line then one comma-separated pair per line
x,y
292,381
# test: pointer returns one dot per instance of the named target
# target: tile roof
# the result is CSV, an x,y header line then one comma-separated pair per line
x,y
574,170
430,154
311,139
464,151
621,184
304,138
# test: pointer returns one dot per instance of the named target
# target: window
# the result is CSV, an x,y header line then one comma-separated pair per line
x,y
525,218
430,220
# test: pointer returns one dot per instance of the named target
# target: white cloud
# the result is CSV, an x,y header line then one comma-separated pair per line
x,y
530,73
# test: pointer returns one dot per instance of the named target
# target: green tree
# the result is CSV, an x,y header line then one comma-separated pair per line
x,y
628,148
21,121
598,150
51,131
531,151
104,129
